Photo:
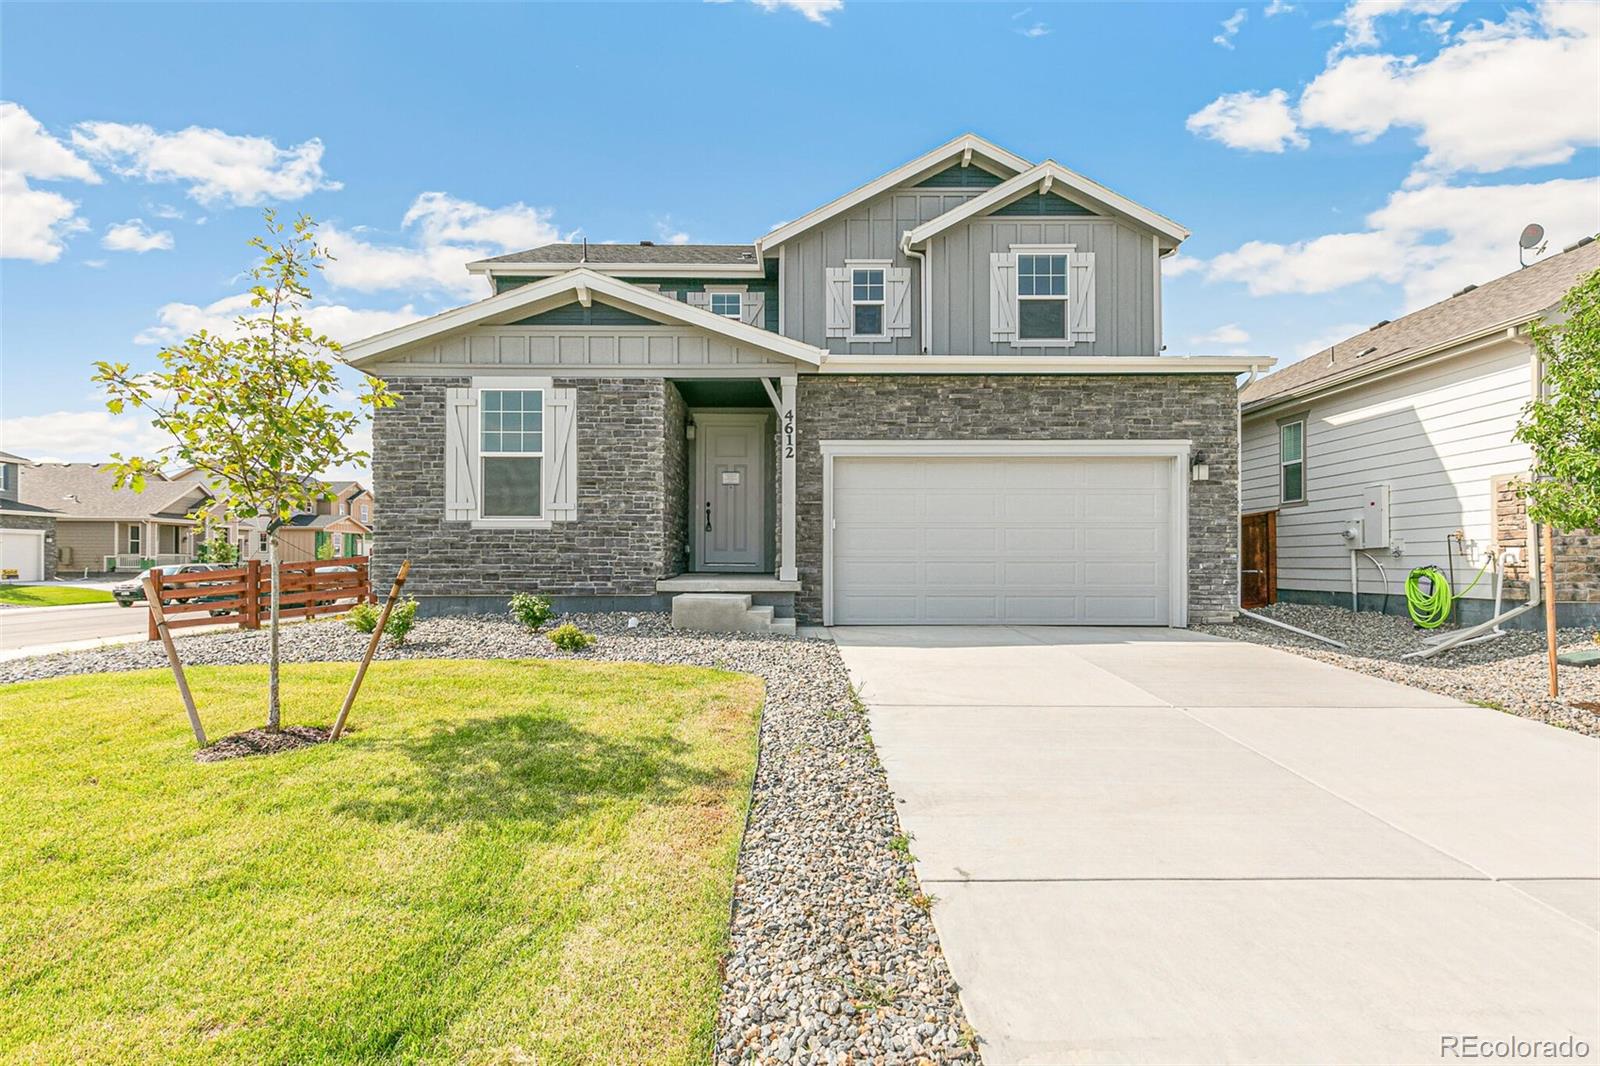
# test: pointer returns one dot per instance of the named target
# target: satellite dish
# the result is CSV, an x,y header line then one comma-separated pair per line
x,y
1532,239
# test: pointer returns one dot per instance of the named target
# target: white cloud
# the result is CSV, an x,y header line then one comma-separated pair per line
x,y
1257,122
36,223
1034,31
668,234
1360,19
1230,333
79,436
1277,7
175,321
134,236
217,167
447,233
814,10
1177,265
167,211
1230,28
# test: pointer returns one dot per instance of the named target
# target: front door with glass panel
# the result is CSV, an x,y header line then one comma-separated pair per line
x,y
730,476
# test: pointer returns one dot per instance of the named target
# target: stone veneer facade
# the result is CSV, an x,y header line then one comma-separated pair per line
x,y
1577,554
1200,408
13,520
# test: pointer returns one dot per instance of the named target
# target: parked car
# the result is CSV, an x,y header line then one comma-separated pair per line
x,y
131,592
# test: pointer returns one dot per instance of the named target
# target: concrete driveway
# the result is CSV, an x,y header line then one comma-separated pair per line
x,y
1154,846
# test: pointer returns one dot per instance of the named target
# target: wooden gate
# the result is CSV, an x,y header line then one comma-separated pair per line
x,y
1258,559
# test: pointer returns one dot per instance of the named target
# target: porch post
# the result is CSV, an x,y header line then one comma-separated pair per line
x,y
786,429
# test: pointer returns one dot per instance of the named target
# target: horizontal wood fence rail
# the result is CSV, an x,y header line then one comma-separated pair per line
x,y
242,595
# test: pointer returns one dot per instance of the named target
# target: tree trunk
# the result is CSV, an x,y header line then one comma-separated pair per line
x,y
272,635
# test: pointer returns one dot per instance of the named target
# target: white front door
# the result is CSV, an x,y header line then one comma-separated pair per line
x,y
730,482
21,556
959,541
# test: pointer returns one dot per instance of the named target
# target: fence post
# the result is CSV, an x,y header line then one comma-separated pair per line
x,y
252,594
152,597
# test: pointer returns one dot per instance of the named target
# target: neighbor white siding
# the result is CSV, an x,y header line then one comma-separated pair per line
x,y
1437,436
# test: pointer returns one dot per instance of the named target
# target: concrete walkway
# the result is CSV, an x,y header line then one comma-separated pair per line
x,y
1154,846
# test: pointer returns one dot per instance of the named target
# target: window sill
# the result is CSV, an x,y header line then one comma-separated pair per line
x,y
512,523
873,338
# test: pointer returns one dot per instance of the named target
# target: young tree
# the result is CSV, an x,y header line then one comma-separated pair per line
x,y
253,410
1563,425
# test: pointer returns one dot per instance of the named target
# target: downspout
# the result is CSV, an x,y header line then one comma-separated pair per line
x,y
924,284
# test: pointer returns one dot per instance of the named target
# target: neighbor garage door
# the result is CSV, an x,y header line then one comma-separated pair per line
x,y
961,541
21,556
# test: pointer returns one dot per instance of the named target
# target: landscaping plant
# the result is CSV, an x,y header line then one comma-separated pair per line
x,y
532,611
253,410
570,638
1562,426
217,549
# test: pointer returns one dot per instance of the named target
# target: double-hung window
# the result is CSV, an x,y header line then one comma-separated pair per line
x,y
134,532
1042,296
365,514
1292,461
866,302
727,304
511,451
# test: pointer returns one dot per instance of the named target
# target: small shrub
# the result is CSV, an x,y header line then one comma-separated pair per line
x,y
363,618
532,611
570,638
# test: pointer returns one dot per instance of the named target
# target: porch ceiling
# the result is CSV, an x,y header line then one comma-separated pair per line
x,y
727,392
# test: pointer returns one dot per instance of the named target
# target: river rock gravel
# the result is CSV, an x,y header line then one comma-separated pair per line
x,y
1508,673
833,956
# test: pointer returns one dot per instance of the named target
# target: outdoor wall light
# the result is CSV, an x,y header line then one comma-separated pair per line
x,y
1198,470
688,430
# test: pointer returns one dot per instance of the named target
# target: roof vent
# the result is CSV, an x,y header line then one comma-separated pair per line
x,y
1377,325
1463,292
1363,353
752,255
1579,243
647,244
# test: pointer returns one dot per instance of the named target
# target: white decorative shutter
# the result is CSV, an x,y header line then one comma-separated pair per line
x,y
897,301
838,301
701,300
561,455
1080,284
753,309
1002,297
460,455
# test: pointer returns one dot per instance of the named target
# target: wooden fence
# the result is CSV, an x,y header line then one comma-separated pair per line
x,y
241,595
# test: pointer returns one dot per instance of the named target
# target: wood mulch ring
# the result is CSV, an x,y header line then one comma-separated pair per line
x,y
261,741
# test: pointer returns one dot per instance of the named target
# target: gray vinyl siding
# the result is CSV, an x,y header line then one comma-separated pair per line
x,y
869,231
1438,436
1125,284
88,542
646,350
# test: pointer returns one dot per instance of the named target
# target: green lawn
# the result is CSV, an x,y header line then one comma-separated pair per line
x,y
506,862
51,595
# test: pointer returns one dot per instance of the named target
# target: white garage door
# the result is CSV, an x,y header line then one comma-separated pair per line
x,y
23,553
970,541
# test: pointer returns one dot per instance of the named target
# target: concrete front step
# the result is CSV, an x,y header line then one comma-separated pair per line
x,y
725,612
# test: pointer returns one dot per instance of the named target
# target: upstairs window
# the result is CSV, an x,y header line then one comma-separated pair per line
x,y
511,451
866,302
1042,297
365,511
1292,461
727,304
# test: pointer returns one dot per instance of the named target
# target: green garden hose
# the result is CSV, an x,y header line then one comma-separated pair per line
x,y
1429,609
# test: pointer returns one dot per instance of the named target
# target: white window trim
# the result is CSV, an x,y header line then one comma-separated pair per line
x,y
1017,339
713,291
1283,466
135,538
482,521
1177,450
853,265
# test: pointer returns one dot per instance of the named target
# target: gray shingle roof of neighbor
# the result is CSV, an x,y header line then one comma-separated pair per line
x,y
88,490
1515,298
731,254
7,457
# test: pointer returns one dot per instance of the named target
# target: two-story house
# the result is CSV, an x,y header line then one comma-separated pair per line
x,y
338,525
938,398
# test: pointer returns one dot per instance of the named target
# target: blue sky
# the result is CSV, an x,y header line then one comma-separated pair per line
x,y
1337,163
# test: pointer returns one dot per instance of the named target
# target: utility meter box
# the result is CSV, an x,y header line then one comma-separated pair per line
x,y
1374,532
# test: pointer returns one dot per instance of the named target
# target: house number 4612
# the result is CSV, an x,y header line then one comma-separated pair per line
x,y
788,434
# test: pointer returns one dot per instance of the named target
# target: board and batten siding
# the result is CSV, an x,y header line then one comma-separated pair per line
x,y
870,231
1437,436
1125,284
649,349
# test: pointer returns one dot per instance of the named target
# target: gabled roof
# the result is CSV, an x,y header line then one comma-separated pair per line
x,y
1052,176
1504,303
306,520
963,148
88,490
584,284
571,255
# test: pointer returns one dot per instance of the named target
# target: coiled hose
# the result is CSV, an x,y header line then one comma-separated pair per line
x,y
1429,609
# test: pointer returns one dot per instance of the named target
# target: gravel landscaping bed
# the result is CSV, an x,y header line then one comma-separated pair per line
x,y
833,957
1508,673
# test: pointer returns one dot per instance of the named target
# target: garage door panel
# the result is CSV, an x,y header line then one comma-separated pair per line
x,y
23,555
959,541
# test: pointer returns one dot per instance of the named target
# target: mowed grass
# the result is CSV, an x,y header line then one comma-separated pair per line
x,y
51,595
506,862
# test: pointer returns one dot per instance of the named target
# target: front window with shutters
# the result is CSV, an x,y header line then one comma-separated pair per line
x,y
1042,297
726,304
511,452
1292,461
866,301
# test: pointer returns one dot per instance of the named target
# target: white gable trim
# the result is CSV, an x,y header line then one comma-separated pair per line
x,y
746,269
962,148
619,293
1044,177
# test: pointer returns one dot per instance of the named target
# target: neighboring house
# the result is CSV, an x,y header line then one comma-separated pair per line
x,y
338,526
27,531
1421,411
100,527
939,398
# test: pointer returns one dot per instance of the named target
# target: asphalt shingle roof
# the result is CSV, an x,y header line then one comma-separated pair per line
x,y
729,254
1515,298
88,490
